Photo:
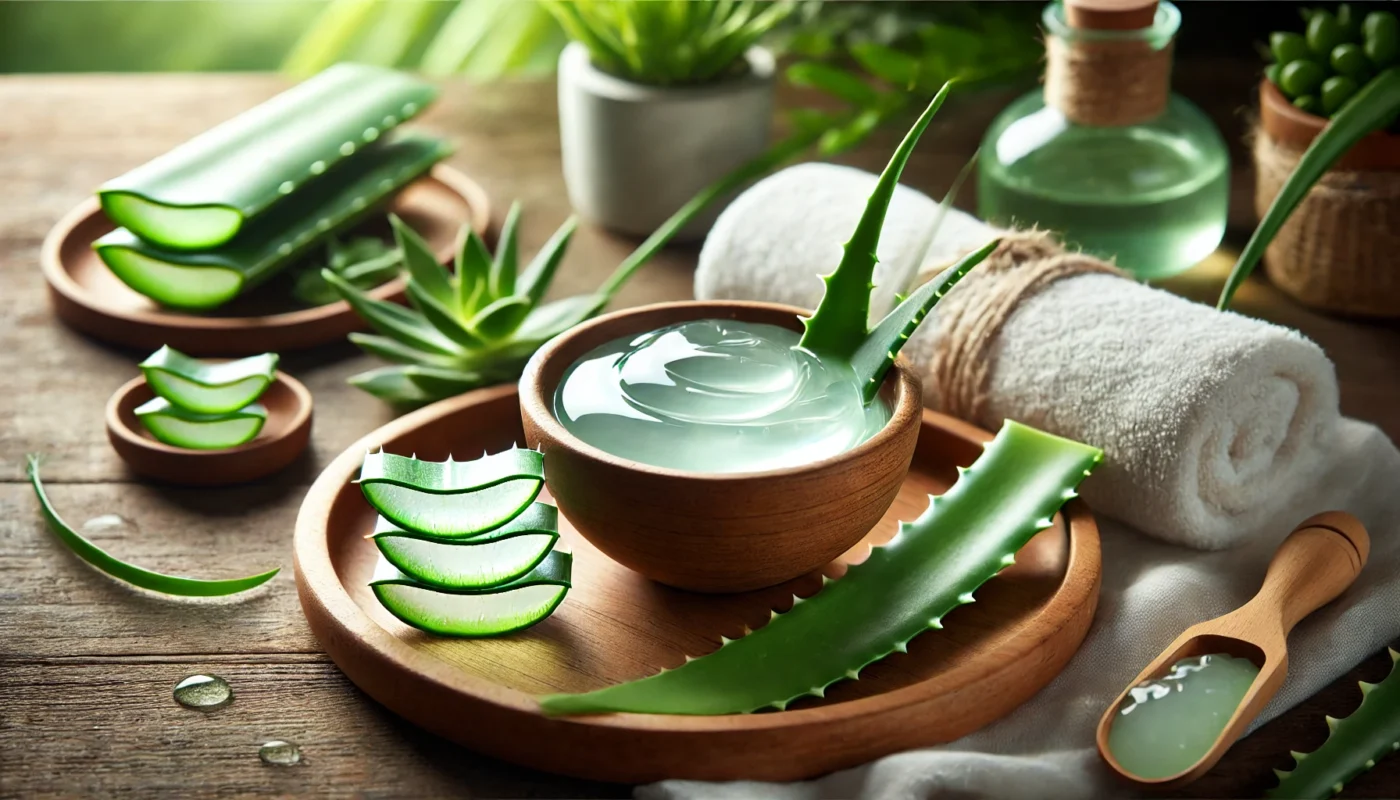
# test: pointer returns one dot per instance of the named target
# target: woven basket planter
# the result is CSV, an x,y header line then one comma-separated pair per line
x,y
1340,250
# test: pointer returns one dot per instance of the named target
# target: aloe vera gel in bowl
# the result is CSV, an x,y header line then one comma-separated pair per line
x,y
716,395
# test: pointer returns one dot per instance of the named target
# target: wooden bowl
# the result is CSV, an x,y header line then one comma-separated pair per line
x,y
711,532
283,437
1295,128
615,625
89,298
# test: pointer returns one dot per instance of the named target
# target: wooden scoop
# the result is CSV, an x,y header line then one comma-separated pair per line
x,y
1315,564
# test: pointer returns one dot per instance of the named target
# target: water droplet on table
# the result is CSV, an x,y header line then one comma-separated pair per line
x,y
279,753
203,692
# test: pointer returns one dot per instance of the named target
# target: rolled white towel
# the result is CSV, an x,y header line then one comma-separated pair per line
x,y
1213,424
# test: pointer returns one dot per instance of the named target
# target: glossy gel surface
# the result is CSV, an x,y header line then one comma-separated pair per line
x,y
715,396
1165,725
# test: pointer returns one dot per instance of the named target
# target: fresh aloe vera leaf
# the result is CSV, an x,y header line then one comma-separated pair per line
x,y
534,282
882,345
838,327
398,352
393,320
931,566
442,318
445,382
204,192
475,613
442,498
391,385
132,574
1353,745
208,387
507,260
195,431
473,274
209,278
552,319
475,562
500,318
427,274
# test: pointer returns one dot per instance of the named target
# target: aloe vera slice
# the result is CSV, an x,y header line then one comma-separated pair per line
x,y
477,562
132,574
931,566
452,498
202,193
195,431
207,387
209,278
475,613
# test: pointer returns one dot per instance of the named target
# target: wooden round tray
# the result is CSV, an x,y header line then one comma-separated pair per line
x,y
88,297
615,625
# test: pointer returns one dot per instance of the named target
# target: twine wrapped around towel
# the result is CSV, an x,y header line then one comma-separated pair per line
x,y
1340,250
970,318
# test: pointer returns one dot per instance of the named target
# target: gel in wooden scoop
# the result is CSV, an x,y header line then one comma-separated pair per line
x,y
716,395
1166,724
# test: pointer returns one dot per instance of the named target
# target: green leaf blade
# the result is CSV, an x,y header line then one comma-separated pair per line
x,y
931,566
130,573
424,271
507,261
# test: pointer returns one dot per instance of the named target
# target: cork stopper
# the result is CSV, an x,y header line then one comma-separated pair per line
x,y
1110,15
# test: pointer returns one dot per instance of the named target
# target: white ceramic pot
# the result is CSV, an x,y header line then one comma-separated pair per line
x,y
633,154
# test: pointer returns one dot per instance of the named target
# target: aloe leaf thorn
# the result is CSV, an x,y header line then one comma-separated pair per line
x,y
130,573
909,585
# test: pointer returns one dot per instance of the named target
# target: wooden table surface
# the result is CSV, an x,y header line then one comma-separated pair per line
x,y
87,664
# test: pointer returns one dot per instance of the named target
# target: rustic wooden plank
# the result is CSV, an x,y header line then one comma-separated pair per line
x,y
110,729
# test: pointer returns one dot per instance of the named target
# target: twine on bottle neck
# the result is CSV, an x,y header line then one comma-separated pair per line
x,y
1107,82
970,318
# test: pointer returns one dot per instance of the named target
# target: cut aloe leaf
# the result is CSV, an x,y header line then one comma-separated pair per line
x,y
475,613
204,192
477,562
132,574
206,387
194,431
447,498
209,278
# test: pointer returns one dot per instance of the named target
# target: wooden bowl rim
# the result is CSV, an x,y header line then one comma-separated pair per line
x,y
1289,125
62,282
900,379
179,456
326,602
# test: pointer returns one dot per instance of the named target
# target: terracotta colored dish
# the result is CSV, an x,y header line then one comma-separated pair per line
x,y
89,298
1291,126
616,625
283,437
714,533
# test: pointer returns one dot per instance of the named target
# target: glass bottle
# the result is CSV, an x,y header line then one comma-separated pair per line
x,y
1106,155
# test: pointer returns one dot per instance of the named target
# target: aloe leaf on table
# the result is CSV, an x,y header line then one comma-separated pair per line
x,y
442,498
132,574
1353,745
208,387
475,613
192,430
204,192
1372,108
209,278
932,565
471,560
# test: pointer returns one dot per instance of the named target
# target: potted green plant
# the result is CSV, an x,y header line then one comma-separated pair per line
x,y
1327,165
657,100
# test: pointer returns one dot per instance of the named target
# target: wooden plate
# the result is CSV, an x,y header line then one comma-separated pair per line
x,y
88,297
283,437
615,626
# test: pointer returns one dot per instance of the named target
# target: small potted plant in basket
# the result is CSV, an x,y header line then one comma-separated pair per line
x,y
657,100
1340,250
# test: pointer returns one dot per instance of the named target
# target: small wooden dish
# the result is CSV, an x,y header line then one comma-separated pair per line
x,y
616,625
89,298
283,437
714,532
1315,564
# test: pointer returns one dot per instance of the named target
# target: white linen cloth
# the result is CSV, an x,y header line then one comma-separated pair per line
x,y
779,236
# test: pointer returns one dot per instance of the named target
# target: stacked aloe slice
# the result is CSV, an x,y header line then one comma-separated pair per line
x,y
465,548
235,205
202,405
